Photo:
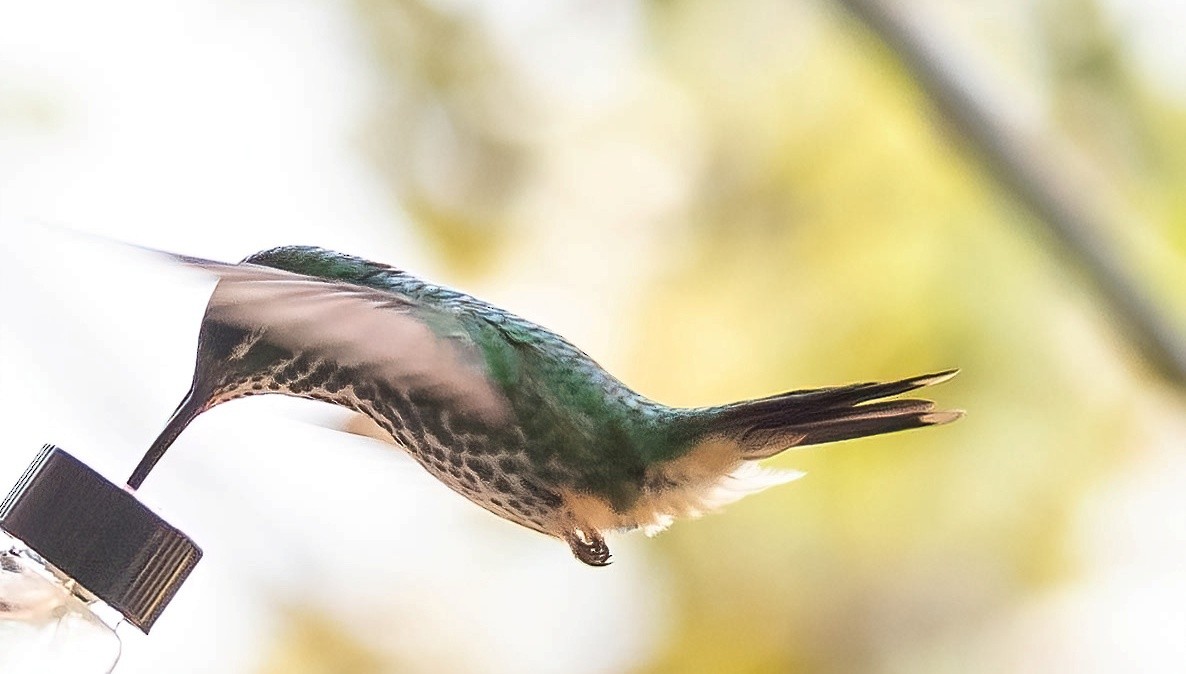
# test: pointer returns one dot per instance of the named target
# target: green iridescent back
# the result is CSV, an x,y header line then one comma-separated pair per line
x,y
580,426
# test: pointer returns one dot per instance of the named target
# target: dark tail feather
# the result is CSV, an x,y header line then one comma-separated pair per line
x,y
767,426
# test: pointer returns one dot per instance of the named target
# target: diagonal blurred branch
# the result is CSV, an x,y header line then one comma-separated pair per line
x,y
1032,168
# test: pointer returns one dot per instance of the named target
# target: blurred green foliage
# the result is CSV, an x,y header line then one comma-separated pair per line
x,y
831,230
311,643
445,132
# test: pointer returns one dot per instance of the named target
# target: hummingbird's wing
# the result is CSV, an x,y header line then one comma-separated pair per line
x,y
389,336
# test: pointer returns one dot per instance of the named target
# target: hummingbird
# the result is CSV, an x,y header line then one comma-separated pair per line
x,y
504,411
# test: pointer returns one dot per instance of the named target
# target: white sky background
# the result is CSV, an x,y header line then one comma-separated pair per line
x,y
218,128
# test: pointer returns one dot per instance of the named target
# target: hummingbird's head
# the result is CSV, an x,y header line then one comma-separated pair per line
x,y
235,342
230,354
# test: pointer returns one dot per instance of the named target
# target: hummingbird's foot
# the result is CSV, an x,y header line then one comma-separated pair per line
x,y
588,546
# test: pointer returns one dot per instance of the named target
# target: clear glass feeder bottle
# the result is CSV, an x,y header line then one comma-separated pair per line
x,y
78,555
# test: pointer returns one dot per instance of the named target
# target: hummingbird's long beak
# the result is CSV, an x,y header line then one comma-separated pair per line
x,y
189,408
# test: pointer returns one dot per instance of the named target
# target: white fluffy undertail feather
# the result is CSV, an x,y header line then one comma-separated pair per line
x,y
747,478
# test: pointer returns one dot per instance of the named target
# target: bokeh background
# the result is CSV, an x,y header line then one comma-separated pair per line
x,y
716,200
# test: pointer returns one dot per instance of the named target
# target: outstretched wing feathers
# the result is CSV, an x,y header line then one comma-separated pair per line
x,y
390,336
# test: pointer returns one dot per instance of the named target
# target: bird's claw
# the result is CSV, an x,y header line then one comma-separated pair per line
x,y
588,547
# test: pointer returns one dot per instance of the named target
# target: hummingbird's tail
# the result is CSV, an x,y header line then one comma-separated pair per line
x,y
767,426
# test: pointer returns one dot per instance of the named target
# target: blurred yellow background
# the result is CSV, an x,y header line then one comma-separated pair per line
x,y
717,200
